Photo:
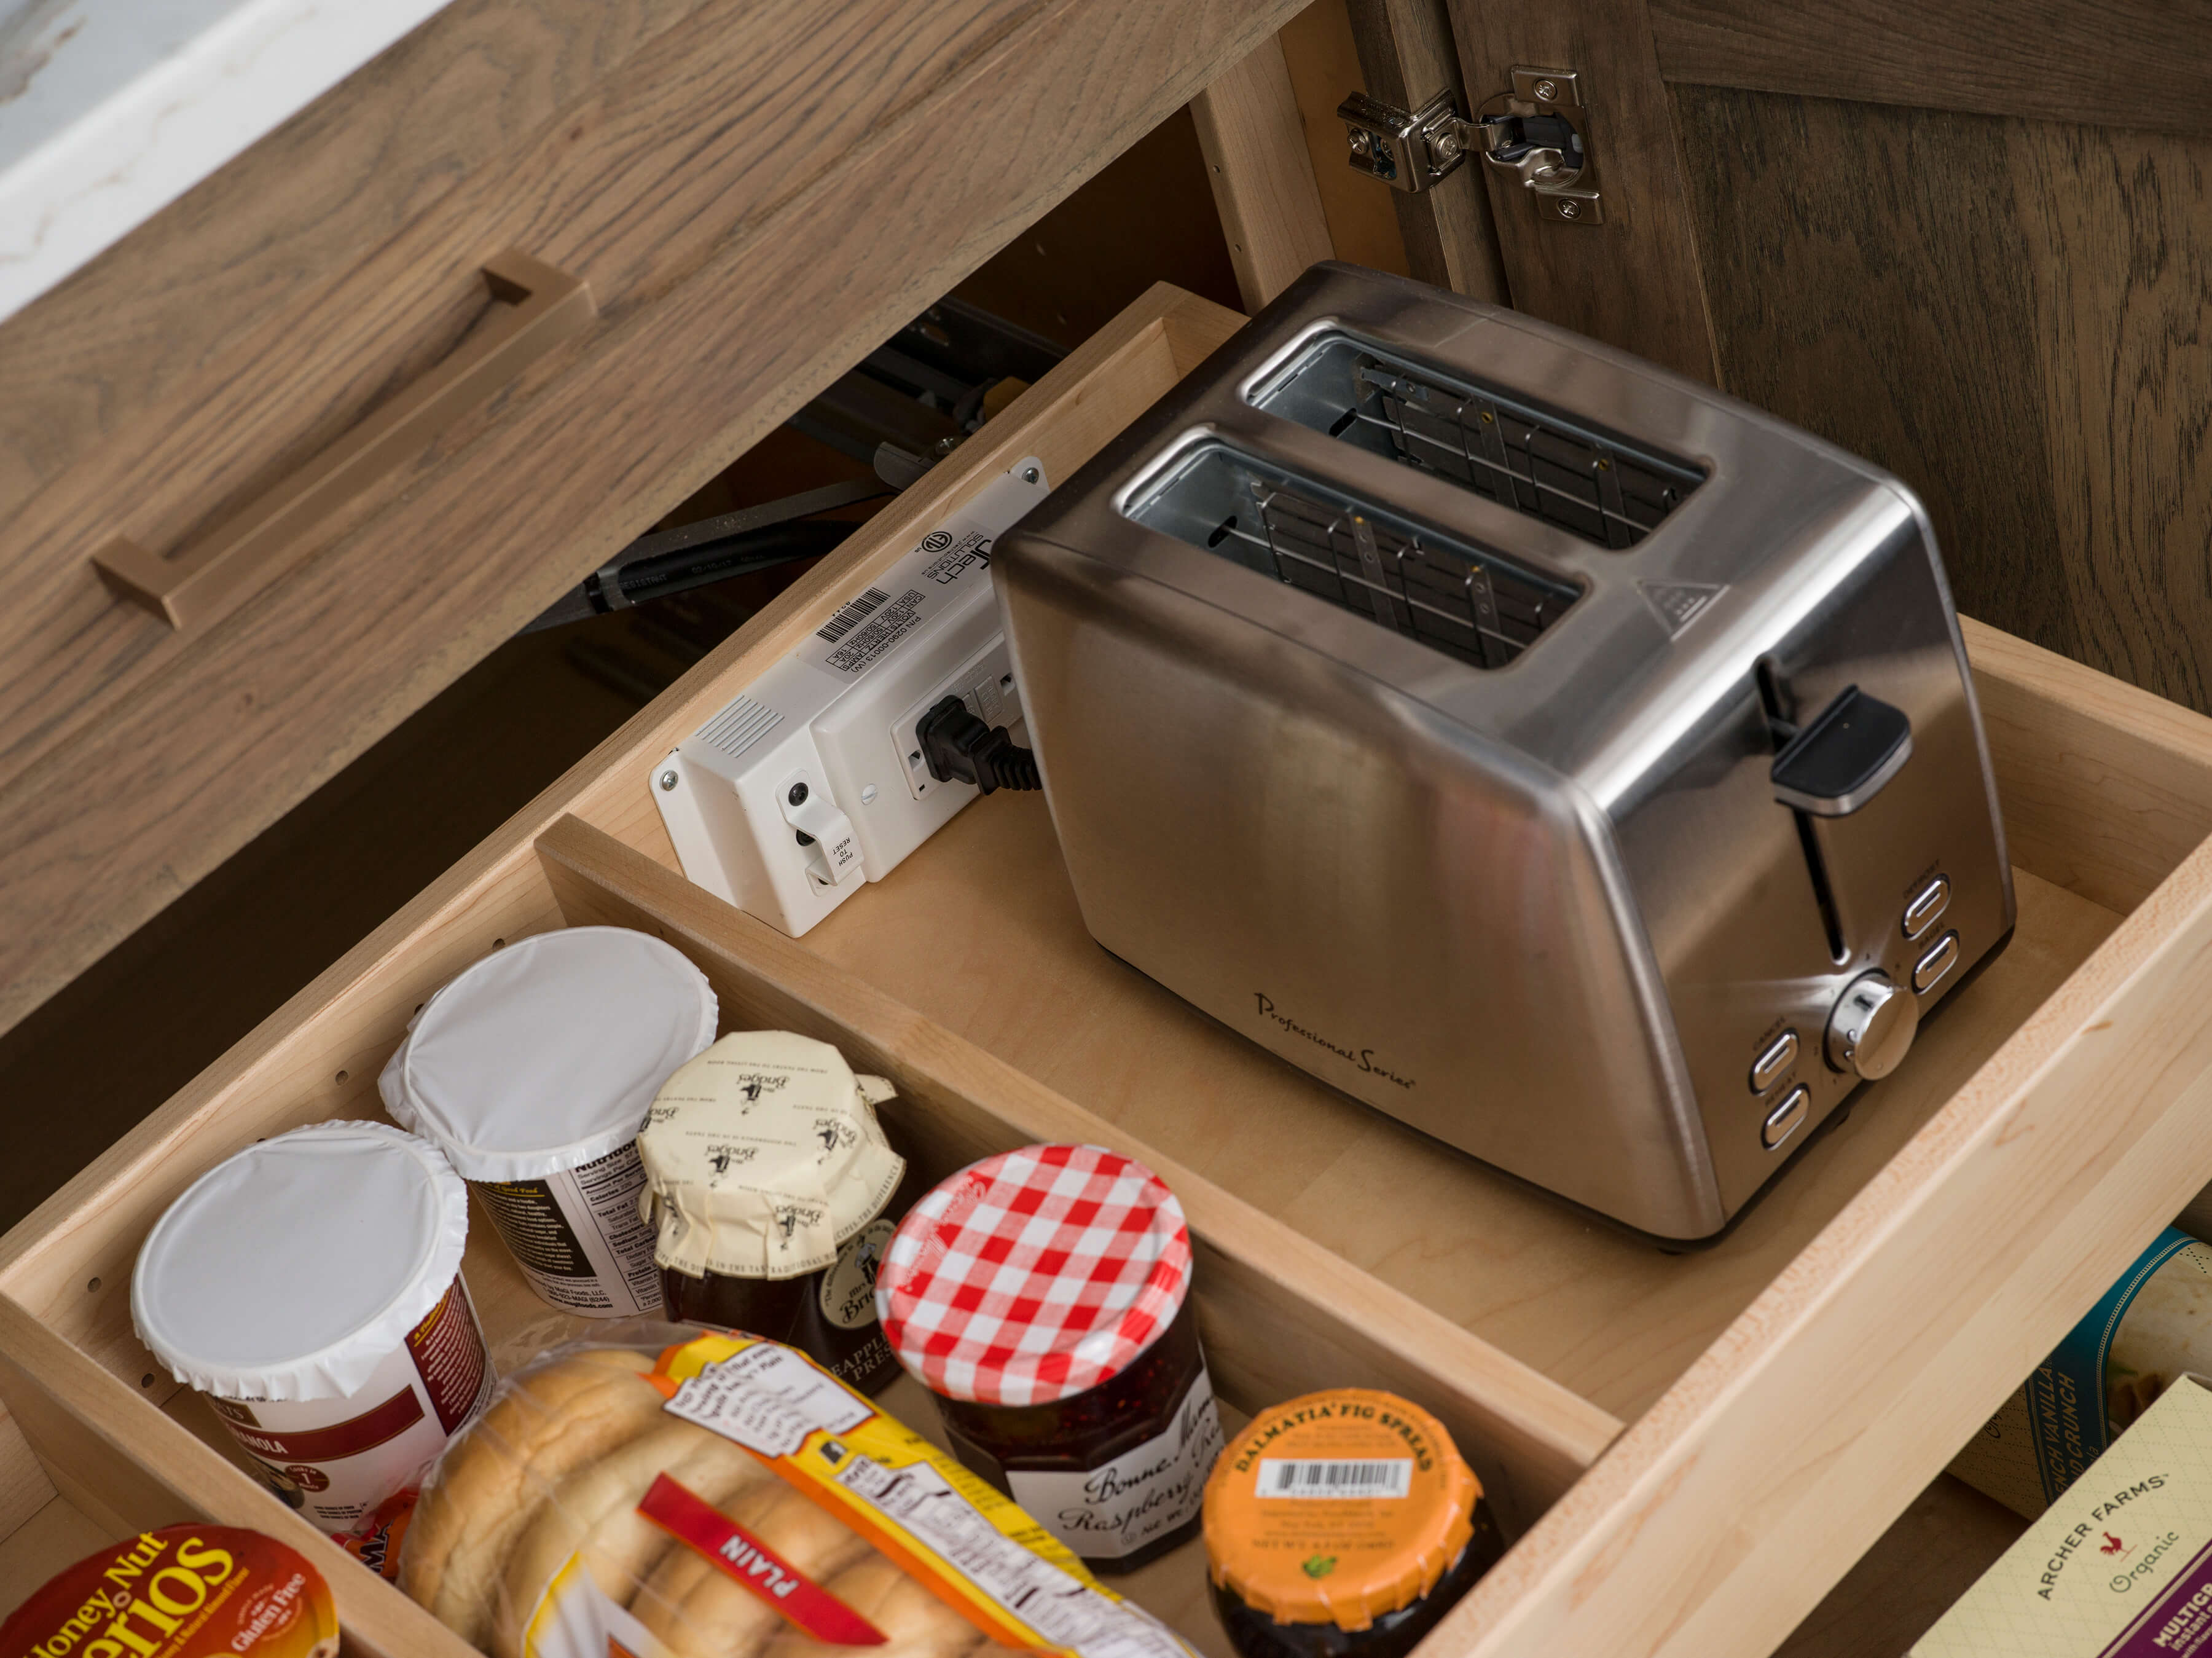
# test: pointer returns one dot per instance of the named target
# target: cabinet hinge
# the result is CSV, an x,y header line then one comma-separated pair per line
x,y
1530,132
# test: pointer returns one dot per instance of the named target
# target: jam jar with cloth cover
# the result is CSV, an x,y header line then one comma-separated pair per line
x,y
773,1191
1043,1297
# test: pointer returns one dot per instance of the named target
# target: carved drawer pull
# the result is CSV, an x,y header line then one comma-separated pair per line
x,y
539,308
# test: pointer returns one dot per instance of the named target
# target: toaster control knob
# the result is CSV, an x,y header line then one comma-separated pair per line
x,y
1872,1026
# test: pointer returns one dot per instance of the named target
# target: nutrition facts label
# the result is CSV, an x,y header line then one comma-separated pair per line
x,y
1056,1606
578,1236
768,1400
609,1189
449,1355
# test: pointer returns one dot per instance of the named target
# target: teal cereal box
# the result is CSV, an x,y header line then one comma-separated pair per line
x,y
2153,1324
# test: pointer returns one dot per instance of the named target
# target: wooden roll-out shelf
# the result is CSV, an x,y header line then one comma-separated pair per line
x,y
1690,1450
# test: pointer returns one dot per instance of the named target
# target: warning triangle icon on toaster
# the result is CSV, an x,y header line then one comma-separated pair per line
x,y
1679,603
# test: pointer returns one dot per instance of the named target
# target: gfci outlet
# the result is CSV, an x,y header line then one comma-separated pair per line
x,y
812,782
984,681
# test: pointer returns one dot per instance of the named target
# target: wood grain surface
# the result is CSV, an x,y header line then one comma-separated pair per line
x,y
1322,55
2134,64
1604,1314
80,366
1257,161
768,250
1633,281
2106,788
1860,1338
1408,56
56,1534
2008,315
1930,1555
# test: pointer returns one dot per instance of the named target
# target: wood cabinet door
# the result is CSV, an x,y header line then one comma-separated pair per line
x,y
1968,239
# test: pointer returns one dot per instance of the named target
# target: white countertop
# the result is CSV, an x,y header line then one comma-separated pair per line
x,y
112,109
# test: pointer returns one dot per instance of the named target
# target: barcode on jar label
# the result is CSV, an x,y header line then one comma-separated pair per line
x,y
1331,1477
843,623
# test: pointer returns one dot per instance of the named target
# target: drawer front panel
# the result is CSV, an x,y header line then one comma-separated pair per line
x,y
745,235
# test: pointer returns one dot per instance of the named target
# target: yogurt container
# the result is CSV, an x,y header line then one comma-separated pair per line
x,y
532,1071
310,1289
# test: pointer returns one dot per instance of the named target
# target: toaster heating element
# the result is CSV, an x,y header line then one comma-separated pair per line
x,y
1576,764
1482,608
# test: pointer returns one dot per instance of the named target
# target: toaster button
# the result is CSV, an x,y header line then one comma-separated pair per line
x,y
1927,905
1782,1121
1766,1070
1936,963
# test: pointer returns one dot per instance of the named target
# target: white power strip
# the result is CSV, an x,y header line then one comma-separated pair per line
x,y
811,781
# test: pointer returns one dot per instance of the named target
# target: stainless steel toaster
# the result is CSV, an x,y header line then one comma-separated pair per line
x,y
1558,756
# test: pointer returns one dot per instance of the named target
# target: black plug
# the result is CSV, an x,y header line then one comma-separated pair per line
x,y
961,748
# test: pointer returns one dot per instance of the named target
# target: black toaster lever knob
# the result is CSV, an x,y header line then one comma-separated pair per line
x,y
1840,761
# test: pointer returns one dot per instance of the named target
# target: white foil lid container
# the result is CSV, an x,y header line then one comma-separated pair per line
x,y
545,1056
291,1271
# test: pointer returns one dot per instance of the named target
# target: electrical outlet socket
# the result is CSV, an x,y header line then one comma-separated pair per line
x,y
836,720
984,681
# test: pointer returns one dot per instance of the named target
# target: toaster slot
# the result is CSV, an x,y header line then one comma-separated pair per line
x,y
1600,486
1471,603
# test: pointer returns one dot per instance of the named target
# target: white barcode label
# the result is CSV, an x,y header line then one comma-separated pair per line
x,y
1329,1477
851,616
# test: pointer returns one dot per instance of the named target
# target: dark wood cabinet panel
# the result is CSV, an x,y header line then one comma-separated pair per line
x,y
1632,280
2009,316
2137,62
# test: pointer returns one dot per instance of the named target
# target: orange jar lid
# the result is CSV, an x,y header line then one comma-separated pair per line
x,y
1338,1507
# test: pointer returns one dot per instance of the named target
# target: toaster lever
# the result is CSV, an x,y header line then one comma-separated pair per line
x,y
1842,759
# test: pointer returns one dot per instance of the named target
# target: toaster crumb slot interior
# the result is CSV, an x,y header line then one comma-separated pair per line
x,y
1602,487
1471,603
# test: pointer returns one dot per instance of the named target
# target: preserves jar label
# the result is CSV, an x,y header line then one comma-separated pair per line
x,y
763,1157
1116,1508
848,1288
1340,1507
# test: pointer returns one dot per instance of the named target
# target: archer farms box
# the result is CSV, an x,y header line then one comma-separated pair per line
x,y
2119,1566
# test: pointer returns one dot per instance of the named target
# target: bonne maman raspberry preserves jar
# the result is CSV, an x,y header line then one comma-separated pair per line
x,y
1043,1297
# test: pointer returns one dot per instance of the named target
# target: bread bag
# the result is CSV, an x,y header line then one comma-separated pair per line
x,y
685,1495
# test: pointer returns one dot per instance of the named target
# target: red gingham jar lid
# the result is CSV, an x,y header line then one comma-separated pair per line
x,y
1034,1275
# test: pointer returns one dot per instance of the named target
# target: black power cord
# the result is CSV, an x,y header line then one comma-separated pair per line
x,y
960,748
